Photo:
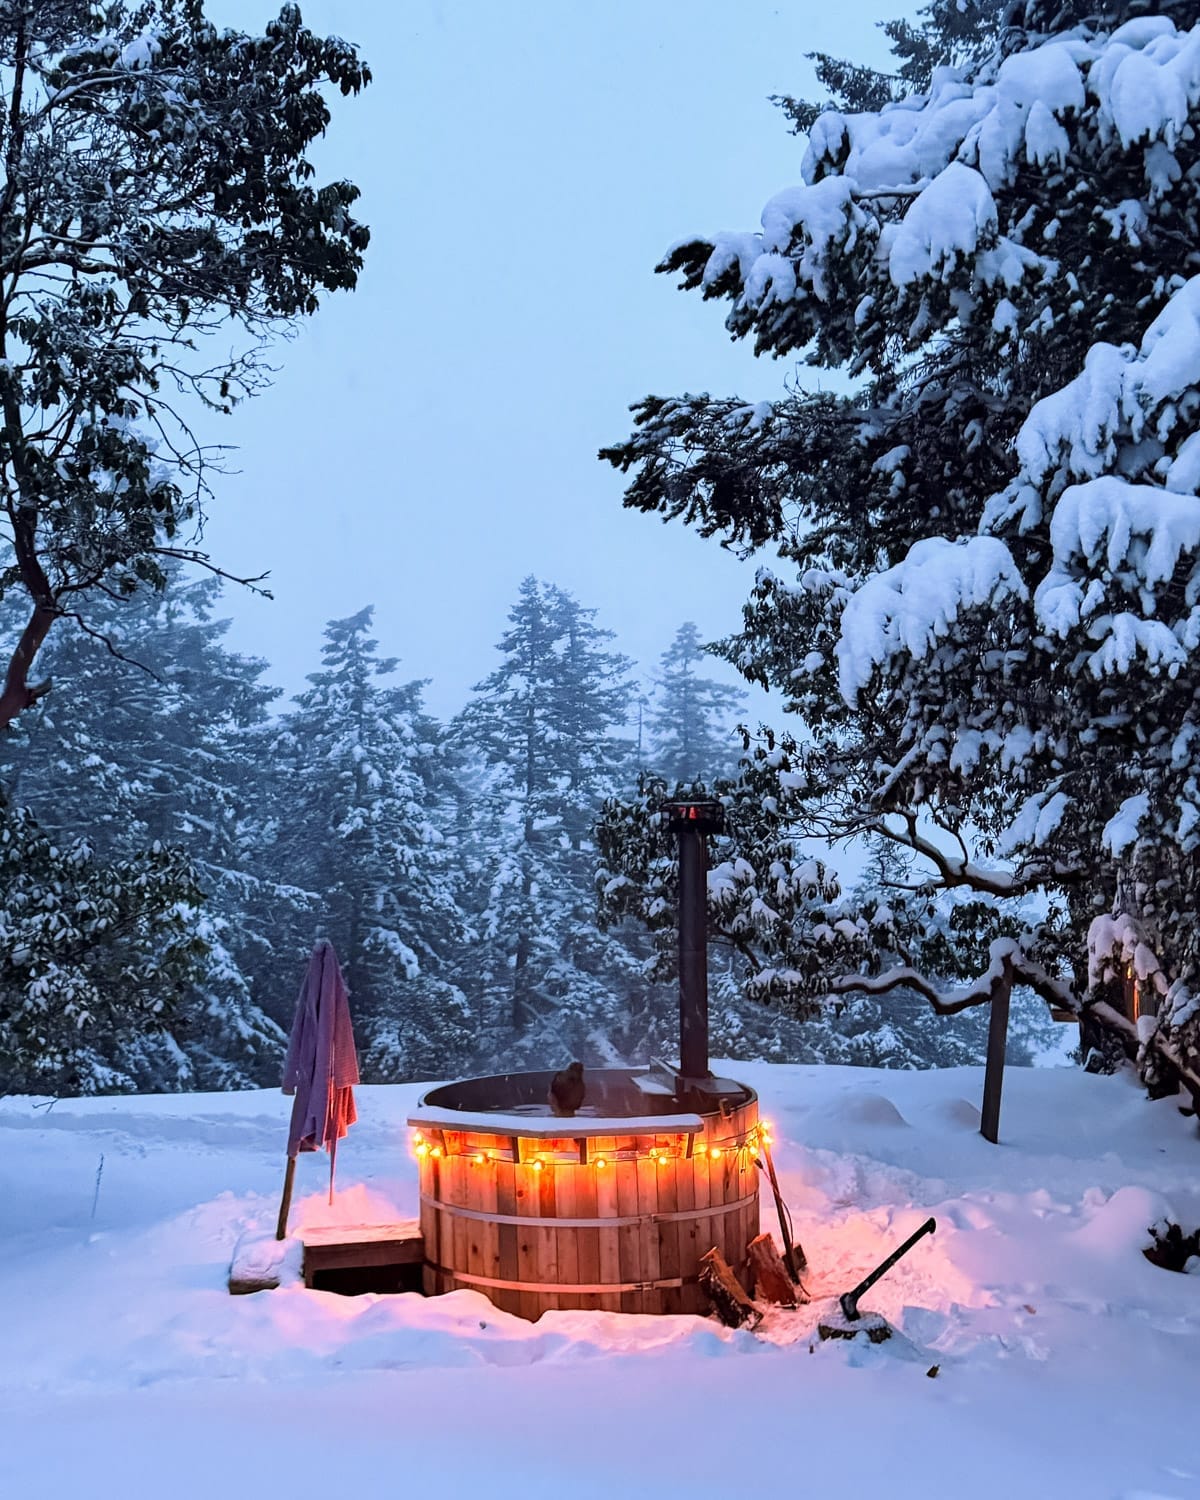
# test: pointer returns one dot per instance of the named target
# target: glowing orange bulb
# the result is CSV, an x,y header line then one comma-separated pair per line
x,y
422,1149
662,1160
600,1162
479,1159
437,1151
715,1153
537,1166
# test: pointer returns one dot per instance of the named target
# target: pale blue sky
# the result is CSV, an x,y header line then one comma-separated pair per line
x,y
431,439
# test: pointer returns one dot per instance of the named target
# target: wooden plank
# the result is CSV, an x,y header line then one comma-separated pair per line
x,y
648,1174
529,1184
430,1228
686,1232
629,1236
480,1176
700,1180
670,1299
506,1234
587,1241
489,1234
409,1252
361,1234
460,1235
566,1241
546,1240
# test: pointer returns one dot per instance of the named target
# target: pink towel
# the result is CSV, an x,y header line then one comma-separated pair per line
x,y
322,1065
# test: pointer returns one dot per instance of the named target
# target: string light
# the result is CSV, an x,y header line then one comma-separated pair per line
x,y
746,1148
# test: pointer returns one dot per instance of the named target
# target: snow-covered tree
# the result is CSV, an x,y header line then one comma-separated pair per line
x,y
692,717
158,212
542,726
95,955
152,749
946,33
364,794
986,617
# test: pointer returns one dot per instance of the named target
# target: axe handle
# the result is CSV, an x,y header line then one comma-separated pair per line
x,y
849,1300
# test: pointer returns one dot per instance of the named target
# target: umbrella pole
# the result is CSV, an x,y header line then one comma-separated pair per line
x,y
285,1206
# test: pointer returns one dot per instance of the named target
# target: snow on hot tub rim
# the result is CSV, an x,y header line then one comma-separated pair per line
x,y
448,1107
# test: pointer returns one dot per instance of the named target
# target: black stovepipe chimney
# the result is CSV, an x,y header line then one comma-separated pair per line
x,y
693,821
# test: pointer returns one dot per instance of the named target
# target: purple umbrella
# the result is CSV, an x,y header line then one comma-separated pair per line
x,y
321,1069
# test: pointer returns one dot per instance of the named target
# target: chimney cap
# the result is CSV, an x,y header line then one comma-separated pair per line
x,y
699,814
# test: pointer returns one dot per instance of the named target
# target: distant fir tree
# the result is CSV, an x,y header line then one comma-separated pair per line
x,y
365,809
691,719
542,727
149,749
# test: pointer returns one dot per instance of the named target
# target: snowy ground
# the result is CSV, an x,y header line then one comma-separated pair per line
x,y
1067,1363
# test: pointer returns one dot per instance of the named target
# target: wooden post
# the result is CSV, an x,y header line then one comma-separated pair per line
x,y
993,1074
286,1205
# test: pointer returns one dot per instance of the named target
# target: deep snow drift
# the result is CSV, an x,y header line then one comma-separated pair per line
x,y
1066,1362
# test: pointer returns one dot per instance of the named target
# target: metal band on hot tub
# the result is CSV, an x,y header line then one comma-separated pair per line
x,y
524,1221
574,1288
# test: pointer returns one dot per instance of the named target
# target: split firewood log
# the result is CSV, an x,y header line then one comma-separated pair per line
x,y
770,1276
726,1293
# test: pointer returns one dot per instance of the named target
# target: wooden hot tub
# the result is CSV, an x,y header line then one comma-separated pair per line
x,y
610,1209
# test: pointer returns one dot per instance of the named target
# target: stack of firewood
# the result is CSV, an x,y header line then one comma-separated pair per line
x,y
764,1272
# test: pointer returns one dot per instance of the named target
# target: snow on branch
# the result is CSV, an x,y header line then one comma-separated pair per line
x,y
1008,965
913,605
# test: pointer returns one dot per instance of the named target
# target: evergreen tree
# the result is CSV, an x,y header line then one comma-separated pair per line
x,y
365,799
95,955
948,33
989,630
148,750
690,721
542,726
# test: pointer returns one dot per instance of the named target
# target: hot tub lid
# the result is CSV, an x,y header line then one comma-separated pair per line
x,y
618,1100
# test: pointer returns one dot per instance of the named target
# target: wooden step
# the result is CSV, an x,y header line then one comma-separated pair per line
x,y
347,1247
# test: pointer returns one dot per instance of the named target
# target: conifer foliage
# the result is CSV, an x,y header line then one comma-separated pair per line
x,y
363,802
691,718
985,615
542,726
152,750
